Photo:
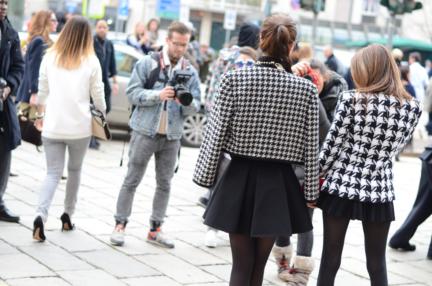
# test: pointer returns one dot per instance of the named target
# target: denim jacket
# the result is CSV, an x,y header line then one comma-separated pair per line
x,y
146,116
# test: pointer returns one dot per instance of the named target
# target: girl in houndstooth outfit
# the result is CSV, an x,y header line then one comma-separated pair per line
x,y
371,124
266,118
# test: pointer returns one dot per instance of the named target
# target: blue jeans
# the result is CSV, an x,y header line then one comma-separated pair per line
x,y
142,148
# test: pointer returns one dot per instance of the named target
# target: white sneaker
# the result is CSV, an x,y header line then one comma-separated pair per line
x,y
117,236
211,238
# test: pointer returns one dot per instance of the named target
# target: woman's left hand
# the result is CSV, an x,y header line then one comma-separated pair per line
x,y
311,205
39,124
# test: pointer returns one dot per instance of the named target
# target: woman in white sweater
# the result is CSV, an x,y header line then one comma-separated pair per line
x,y
69,76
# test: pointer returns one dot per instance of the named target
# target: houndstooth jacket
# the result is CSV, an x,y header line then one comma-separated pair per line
x,y
264,113
368,130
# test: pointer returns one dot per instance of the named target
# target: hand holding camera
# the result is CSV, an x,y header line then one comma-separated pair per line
x,y
167,93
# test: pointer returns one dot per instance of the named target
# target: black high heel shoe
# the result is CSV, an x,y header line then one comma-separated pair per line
x,y
38,229
66,222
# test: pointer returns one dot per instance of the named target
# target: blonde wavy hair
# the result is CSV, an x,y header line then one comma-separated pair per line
x,y
41,26
74,44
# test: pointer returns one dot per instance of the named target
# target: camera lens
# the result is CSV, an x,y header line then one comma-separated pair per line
x,y
184,96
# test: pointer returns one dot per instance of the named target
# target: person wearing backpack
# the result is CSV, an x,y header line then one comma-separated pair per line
x,y
157,127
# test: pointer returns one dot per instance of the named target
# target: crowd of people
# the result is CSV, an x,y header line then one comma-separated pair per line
x,y
286,134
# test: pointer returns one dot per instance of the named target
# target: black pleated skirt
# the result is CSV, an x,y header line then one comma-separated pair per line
x,y
355,210
258,198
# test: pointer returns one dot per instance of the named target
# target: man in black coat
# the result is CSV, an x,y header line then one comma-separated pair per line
x,y
421,210
11,70
104,50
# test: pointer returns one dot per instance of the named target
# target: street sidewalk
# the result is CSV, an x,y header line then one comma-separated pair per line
x,y
85,257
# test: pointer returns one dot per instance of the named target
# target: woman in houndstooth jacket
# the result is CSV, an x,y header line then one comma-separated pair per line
x,y
371,124
266,119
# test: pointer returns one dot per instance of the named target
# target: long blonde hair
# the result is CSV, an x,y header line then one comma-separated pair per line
x,y
41,26
375,71
74,44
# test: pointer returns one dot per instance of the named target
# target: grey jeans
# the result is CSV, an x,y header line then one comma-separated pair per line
x,y
5,163
55,150
141,149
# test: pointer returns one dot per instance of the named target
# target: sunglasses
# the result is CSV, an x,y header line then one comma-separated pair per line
x,y
241,63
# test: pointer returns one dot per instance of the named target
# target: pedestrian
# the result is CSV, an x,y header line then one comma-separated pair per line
x,y
43,24
11,73
265,130
70,76
405,77
157,127
371,124
248,37
153,33
332,62
421,210
295,270
427,106
419,76
104,50
139,40
246,59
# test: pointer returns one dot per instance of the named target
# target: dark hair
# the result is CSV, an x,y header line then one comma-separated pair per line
x,y
416,56
278,33
404,70
178,27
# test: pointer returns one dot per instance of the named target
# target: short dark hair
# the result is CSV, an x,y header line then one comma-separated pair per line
x,y
416,56
404,72
178,27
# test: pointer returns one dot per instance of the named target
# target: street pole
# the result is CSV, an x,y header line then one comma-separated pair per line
x,y
351,8
392,29
314,28
227,37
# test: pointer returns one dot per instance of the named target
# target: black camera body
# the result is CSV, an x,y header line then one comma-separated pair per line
x,y
178,82
3,84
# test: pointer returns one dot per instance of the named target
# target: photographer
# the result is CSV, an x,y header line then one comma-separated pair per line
x,y
161,104
11,71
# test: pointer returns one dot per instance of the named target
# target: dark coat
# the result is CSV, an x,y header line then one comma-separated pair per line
x,y
330,94
105,52
11,69
32,61
332,63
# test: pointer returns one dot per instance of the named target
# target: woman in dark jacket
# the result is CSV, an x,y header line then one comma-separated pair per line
x,y
43,23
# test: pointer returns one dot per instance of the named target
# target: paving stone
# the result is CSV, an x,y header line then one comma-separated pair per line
x,y
177,269
16,235
153,280
90,278
117,263
46,281
7,249
412,272
55,258
135,246
21,266
76,240
194,255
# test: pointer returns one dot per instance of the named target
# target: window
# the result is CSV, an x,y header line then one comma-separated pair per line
x,y
125,63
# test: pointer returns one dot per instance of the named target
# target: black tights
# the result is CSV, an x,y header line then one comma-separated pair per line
x,y
375,235
250,256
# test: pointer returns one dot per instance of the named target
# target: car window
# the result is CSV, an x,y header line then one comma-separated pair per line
x,y
125,63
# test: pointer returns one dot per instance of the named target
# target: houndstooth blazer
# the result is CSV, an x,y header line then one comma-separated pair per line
x,y
368,130
264,113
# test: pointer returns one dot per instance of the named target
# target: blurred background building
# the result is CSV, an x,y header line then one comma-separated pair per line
x,y
340,21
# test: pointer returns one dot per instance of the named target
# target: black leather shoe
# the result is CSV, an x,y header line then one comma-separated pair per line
x,y
66,222
403,247
6,215
38,229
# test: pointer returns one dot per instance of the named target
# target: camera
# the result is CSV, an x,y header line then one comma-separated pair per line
x,y
178,82
3,84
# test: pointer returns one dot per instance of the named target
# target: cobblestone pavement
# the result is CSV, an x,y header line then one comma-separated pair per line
x,y
85,257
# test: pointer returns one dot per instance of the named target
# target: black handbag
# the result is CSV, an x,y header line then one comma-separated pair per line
x,y
100,128
29,132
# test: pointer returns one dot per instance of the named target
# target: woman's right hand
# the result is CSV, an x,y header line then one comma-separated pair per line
x,y
311,205
300,68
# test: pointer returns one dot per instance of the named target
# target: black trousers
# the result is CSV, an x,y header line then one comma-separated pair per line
x,y
422,207
5,163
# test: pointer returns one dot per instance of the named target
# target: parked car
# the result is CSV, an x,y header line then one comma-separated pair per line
x,y
126,58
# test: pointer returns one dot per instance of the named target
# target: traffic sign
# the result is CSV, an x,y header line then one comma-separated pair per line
x,y
123,9
168,9
230,20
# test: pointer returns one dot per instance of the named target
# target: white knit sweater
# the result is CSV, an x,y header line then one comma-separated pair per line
x,y
66,95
